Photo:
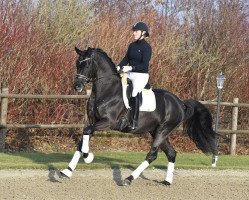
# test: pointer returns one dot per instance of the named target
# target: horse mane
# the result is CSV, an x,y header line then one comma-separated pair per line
x,y
104,54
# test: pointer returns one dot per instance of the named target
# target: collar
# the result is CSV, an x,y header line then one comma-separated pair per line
x,y
140,41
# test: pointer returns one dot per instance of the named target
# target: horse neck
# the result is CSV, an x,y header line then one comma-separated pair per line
x,y
107,80
104,70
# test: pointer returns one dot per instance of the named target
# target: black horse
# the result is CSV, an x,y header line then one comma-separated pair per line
x,y
106,111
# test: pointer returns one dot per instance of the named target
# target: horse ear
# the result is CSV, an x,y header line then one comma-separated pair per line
x,y
89,50
78,51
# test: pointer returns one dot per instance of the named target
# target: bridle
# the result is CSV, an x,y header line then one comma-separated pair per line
x,y
83,77
81,61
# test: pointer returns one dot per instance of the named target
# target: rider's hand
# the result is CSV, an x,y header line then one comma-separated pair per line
x,y
126,68
118,68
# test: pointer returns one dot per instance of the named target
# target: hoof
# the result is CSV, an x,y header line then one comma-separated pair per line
x,y
126,182
66,173
166,183
89,158
214,165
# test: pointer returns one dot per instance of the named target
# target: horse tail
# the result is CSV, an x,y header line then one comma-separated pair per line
x,y
198,125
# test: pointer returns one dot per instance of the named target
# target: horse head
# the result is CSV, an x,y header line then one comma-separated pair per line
x,y
92,64
85,69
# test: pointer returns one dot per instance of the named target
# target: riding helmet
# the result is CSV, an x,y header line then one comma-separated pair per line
x,y
142,27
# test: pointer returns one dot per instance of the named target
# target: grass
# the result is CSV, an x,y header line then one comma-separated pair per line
x,y
117,160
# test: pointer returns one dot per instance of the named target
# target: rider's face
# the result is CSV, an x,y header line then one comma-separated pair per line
x,y
137,34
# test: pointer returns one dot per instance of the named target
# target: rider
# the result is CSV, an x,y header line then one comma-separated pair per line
x,y
136,63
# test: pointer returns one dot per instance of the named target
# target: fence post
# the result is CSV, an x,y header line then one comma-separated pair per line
x,y
234,127
3,118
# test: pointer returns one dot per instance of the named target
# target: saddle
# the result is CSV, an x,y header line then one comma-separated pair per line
x,y
147,99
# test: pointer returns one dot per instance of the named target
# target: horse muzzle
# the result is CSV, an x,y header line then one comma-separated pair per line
x,y
78,86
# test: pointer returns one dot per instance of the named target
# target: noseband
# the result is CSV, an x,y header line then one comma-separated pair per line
x,y
82,77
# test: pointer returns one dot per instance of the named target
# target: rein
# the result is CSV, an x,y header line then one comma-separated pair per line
x,y
104,77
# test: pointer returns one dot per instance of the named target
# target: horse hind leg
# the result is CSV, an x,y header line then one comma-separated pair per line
x,y
171,155
159,138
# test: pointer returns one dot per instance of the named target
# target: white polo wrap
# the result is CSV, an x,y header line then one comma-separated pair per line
x,y
74,160
140,169
170,172
85,144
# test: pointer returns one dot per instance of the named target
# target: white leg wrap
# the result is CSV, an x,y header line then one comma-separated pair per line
x,y
85,144
170,172
89,158
215,161
140,169
74,160
67,173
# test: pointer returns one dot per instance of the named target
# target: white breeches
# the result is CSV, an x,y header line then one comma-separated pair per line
x,y
139,81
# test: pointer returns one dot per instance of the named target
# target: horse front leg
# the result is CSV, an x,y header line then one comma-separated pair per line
x,y
83,148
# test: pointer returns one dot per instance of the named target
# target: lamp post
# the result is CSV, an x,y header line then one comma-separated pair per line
x,y
220,81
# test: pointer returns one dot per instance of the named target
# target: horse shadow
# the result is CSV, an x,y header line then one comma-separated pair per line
x,y
117,176
117,168
51,160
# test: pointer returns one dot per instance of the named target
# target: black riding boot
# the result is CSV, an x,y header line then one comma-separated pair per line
x,y
134,104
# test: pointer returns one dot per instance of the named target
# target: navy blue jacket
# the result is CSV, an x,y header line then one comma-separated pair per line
x,y
138,56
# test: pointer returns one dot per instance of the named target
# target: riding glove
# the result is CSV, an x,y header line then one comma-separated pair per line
x,y
126,68
118,68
